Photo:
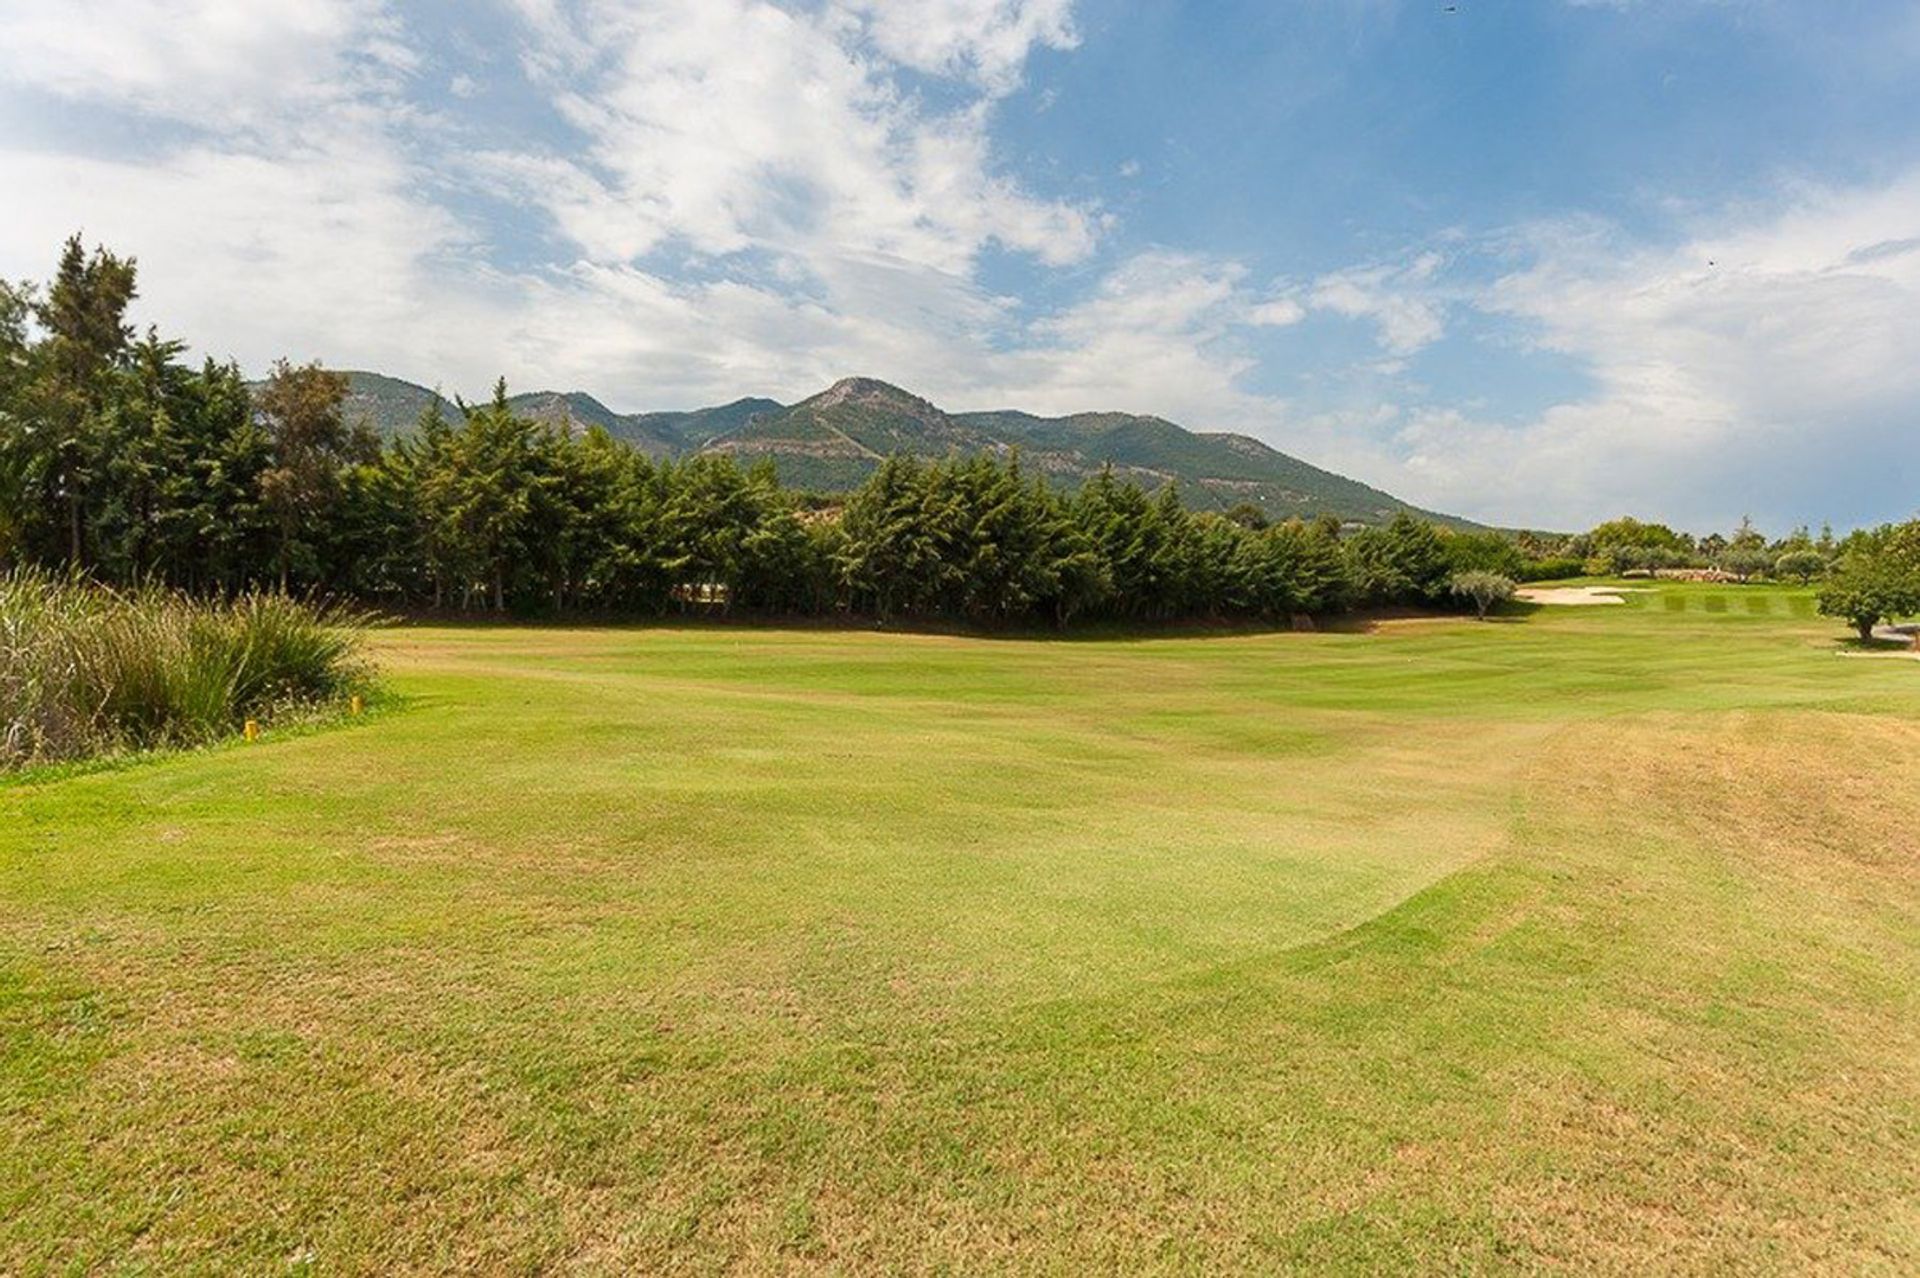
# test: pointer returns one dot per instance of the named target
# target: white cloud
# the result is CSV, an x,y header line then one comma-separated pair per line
x,y
1162,333
308,206
735,125
278,214
1280,312
1399,300
986,41
218,64
322,253
1765,364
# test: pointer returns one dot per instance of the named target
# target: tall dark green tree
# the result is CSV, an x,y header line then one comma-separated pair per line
x,y
485,494
1404,562
1291,568
87,338
891,556
304,411
16,425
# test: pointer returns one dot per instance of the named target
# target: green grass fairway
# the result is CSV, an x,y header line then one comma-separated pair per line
x,y
1585,939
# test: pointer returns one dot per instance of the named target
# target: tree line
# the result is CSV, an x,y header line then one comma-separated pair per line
x,y
121,460
1869,576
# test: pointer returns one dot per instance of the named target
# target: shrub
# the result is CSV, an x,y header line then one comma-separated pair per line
x,y
1746,562
1483,589
1802,565
1554,569
85,670
1484,552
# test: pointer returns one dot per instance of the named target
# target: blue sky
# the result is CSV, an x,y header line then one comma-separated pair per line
x,y
1538,261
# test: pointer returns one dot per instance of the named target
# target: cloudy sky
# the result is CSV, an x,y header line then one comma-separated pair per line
x,y
1537,261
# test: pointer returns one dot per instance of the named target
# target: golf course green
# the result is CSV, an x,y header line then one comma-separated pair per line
x,y
1583,937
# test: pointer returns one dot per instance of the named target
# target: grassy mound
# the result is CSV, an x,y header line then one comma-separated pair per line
x,y
85,670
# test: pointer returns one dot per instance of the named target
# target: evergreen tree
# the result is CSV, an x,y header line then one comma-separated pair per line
x,y
1404,562
84,315
483,492
16,424
312,446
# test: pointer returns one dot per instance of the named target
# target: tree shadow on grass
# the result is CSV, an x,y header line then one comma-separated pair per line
x,y
849,624
1878,646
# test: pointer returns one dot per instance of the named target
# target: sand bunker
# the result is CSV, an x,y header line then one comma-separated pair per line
x,y
1571,596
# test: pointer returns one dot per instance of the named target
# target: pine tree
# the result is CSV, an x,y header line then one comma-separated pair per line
x,y
84,316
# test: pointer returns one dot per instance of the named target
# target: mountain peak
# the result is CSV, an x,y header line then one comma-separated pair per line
x,y
868,390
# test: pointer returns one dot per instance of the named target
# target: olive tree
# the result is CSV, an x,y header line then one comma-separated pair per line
x,y
1484,589
1801,565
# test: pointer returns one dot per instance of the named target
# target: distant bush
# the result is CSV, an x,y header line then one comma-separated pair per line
x,y
1644,559
1558,569
1747,562
1801,565
85,670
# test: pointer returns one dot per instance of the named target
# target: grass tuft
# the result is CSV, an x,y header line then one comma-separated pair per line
x,y
88,671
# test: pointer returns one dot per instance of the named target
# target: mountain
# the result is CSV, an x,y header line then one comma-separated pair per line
x,y
831,441
574,408
1215,470
834,439
693,430
389,404
392,406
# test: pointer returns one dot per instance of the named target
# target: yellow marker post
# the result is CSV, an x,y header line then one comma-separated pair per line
x,y
253,729
355,706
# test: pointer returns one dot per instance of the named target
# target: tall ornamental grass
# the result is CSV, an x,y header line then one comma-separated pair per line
x,y
87,670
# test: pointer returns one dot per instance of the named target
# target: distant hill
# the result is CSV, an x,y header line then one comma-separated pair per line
x,y
833,440
391,405
1214,470
692,431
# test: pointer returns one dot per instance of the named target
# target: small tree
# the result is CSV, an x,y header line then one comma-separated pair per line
x,y
1801,565
1485,589
1746,561
1868,588
1248,516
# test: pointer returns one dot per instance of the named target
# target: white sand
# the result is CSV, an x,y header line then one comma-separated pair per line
x,y
1571,596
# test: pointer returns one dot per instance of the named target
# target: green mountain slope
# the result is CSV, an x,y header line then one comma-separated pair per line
x,y
389,404
576,410
833,440
693,430
1214,470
